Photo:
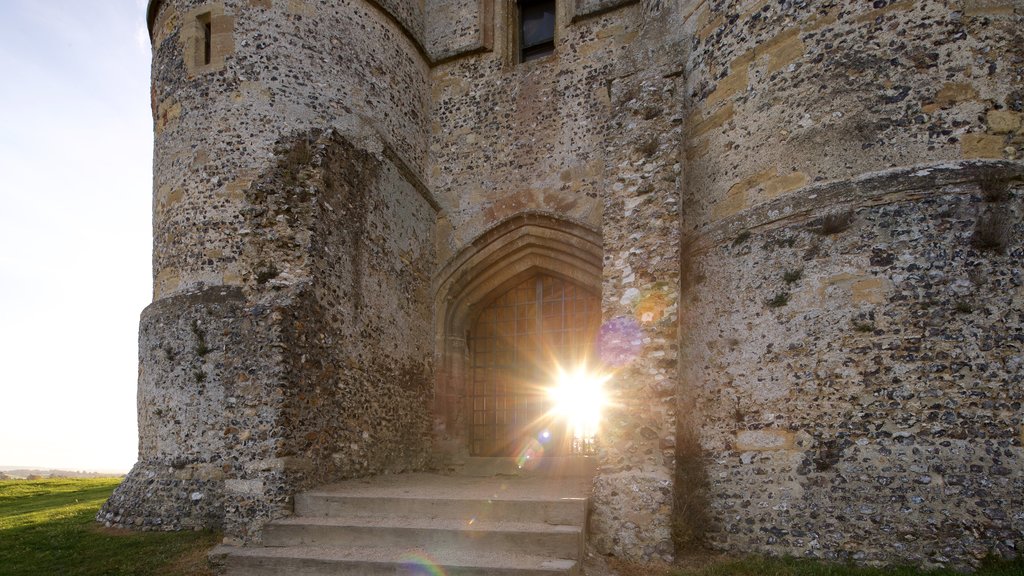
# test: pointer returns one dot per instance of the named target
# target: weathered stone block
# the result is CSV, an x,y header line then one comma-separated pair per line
x,y
982,146
1004,121
759,440
246,487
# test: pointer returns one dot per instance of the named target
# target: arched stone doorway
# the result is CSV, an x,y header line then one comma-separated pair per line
x,y
516,346
503,260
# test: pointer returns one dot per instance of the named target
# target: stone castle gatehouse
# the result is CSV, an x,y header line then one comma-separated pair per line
x,y
790,232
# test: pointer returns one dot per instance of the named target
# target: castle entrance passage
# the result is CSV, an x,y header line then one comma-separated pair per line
x,y
516,346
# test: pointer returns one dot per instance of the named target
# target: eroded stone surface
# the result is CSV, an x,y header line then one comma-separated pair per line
x,y
890,420
810,219
316,368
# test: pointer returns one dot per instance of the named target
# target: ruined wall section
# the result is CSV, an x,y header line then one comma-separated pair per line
x,y
340,247
204,416
277,68
850,317
317,369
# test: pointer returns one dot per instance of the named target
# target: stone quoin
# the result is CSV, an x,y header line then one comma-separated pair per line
x,y
799,223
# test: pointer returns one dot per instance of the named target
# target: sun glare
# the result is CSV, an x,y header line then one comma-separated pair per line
x,y
578,397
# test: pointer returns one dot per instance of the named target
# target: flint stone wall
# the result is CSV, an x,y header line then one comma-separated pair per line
x,y
873,413
831,196
589,134
317,369
787,94
284,67
817,344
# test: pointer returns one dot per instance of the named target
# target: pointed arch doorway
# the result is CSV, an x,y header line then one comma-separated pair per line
x,y
517,343
494,271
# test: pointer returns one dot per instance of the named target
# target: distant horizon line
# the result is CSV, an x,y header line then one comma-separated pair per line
x,y
7,468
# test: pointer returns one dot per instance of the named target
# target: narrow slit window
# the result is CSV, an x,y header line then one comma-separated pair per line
x,y
207,27
536,29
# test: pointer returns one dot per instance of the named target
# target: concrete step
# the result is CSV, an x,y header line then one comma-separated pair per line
x,y
453,535
315,504
378,561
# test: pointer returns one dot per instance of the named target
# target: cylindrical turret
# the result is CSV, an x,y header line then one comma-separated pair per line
x,y
852,275
788,95
232,78
292,256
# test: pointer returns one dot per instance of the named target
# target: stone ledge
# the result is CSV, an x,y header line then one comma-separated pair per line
x,y
874,188
204,296
583,9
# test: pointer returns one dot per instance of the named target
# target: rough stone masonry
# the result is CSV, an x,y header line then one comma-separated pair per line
x,y
804,221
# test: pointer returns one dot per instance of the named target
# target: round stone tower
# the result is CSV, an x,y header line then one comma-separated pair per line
x,y
287,133
231,79
852,278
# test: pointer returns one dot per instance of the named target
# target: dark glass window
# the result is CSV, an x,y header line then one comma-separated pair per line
x,y
536,29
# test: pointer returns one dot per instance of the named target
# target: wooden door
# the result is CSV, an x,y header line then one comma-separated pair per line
x,y
516,344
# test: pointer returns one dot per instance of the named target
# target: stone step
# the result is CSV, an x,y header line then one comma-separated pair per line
x,y
378,561
448,534
548,466
315,504
459,525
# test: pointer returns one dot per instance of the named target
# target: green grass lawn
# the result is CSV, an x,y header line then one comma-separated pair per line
x,y
47,527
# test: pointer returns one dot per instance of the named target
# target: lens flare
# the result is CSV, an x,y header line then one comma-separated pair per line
x,y
652,305
619,341
579,397
529,454
419,564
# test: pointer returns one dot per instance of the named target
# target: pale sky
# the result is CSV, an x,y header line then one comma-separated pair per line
x,y
75,196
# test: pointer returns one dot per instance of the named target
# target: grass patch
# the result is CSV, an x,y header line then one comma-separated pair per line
x,y
994,188
49,527
802,567
791,276
202,349
992,231
778,301
863,326
836,222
